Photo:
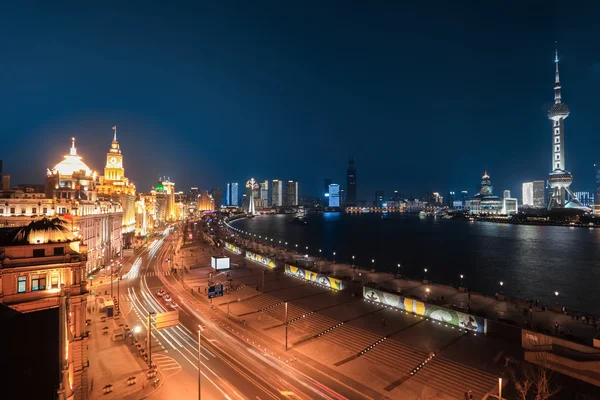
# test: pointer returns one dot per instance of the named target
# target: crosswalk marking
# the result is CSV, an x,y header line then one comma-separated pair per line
x,y
138,274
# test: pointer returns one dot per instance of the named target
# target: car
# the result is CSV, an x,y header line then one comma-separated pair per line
x,y
167,297
160,293
173,304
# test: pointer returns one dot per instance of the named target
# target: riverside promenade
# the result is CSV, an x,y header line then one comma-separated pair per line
x,y
495,307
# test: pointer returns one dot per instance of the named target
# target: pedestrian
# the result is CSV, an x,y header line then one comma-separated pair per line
x,y
469,295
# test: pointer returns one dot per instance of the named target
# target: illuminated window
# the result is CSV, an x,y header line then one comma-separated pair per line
x,y
38,282
23,211
21,284
34,210
1,210
12,210
45,210
54,282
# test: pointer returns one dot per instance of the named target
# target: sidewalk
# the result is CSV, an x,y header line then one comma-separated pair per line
x,y
114,362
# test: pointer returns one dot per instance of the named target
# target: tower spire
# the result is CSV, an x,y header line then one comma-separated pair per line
x,y
557,98
115,135
73,151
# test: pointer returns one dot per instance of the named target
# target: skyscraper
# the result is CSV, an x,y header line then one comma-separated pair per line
x,y
379,198
464,196
233,190
351,183
277,193
527,194
291,193
228,195
450,199
559,179
264,193
539,198
507,194
217,195
334,195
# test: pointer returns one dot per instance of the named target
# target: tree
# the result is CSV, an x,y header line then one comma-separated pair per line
x,y
535,381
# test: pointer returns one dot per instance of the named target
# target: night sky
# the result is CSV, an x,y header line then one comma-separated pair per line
x,y
424,95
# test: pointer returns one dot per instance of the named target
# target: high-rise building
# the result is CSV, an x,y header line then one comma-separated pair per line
x,y
334,195
506,194
539,198
234,196
527,199
351,183
217,195
264,194
291,193
586,198
194,194
450,199
342,197
205,202
464,196
277,193
378,198
559,179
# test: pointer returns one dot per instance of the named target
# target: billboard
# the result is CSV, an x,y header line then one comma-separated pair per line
x,y
267,262
219,262
315,277
233,248
432,311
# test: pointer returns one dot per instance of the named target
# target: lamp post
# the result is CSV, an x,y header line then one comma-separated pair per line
x,y
353,262
373,264
461,280
501,285
149,339
425,276
286,326
500,388
334,257
427,293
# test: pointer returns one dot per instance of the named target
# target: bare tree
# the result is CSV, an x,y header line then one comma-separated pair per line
x,y
536,380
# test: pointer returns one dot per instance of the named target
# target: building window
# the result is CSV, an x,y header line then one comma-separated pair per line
x,y
54,282
12,210
23,211
21,284
38,282
59,251
557,132
557,157
557,165
34,210
556,148
1,210
38,252
556,140
45,210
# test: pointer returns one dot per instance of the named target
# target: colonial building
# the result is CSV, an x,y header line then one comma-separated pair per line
x,y
114,186
71,184
205,202
43,265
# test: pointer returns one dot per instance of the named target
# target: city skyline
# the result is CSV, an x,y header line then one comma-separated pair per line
x,y
410,118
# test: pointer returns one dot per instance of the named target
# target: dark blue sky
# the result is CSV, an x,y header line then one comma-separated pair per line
x,y
424,95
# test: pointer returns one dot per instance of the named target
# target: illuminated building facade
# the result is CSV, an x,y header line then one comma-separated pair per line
x,y
114,186
43,265
509,206
485,202
527,194
277,193
334,195
264,193
233,194
205,202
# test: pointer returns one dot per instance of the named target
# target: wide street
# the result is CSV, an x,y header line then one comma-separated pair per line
x,y
234,363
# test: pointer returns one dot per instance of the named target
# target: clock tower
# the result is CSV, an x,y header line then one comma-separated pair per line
x,y
114,171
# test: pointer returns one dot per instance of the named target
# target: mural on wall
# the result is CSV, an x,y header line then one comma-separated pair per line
x,y
315,277
233,248
432,311
267,262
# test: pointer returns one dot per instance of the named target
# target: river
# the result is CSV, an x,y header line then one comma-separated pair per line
x,y
531,261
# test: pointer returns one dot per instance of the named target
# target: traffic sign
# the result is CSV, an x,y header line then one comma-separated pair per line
x,y
215,291
166,319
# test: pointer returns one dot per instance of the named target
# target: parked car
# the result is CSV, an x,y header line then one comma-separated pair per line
x,y
167,297
160,293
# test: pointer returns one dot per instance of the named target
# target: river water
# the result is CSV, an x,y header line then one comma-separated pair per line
x,y
532,261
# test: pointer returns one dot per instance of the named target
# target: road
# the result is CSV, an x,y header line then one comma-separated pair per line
x,y
234,363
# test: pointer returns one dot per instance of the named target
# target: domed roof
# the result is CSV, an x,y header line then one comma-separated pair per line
x,y
43,231
159,187
72,163
558,110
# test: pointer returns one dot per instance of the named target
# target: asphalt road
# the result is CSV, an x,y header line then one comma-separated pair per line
x,y
234,364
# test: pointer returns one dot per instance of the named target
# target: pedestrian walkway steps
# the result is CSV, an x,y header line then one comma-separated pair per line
x,y
395,356
444,374
352,338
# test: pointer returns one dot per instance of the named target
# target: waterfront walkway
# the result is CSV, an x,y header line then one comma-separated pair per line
x,y
496,307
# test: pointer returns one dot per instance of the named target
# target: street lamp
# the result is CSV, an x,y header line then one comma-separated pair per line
x,y
501,284
425,276
399,268
556,293
461,280
373,262
334,257
352,262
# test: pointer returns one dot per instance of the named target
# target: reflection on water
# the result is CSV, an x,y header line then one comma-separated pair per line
x,y
532,261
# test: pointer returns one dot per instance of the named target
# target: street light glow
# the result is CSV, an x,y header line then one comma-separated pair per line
x,y
556,293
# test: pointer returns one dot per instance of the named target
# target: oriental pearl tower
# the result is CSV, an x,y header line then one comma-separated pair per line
x,y
559,179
